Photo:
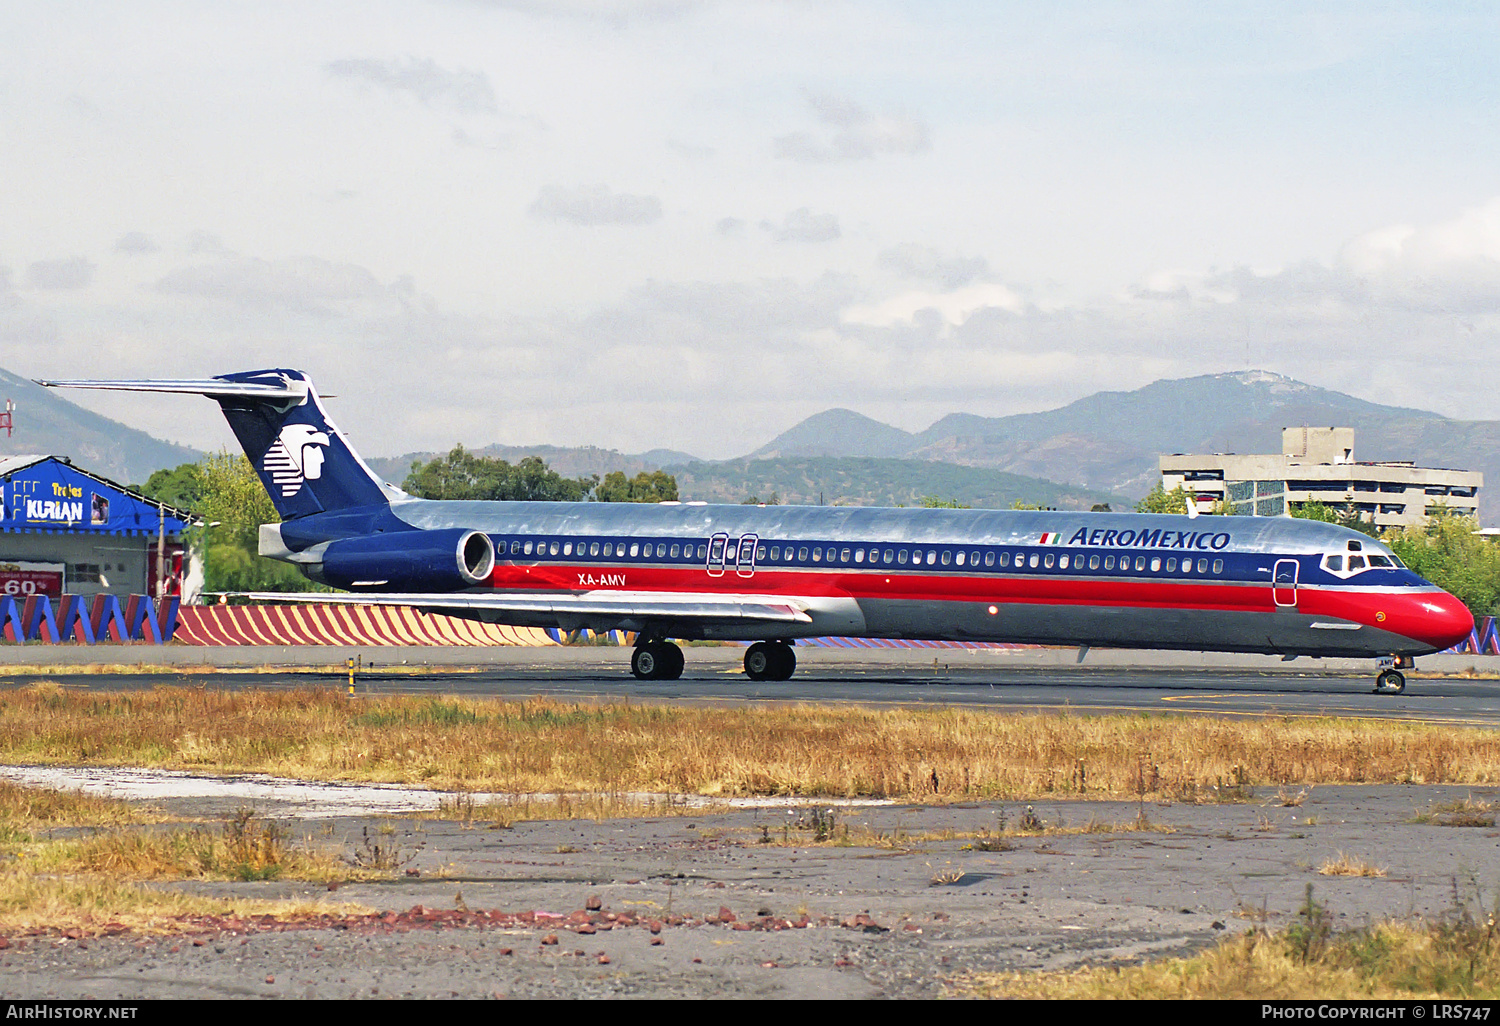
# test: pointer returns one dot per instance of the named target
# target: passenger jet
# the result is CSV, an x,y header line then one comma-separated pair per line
x,y
769,575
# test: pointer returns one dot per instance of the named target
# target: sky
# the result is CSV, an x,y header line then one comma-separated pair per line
x,y
688,224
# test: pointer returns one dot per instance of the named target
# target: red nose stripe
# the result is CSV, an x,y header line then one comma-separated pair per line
x,y
1434,617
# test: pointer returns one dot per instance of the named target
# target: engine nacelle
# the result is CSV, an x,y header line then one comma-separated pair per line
x,y
446,560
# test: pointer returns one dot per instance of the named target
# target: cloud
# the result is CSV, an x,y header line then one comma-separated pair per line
x,y
801,225
135,243
924,264
852,133
463,91
302,285
595,205
953,307
617,13
67,273
729,226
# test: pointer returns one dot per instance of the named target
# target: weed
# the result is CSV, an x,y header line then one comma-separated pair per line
x,y
1466,812
1307,936
1348,865
380,853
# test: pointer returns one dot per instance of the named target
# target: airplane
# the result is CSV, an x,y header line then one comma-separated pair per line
x,y
771,575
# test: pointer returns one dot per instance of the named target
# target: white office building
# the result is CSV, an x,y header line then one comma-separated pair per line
x,y
1317,464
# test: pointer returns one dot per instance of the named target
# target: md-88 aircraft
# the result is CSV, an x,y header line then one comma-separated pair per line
x,y
769,575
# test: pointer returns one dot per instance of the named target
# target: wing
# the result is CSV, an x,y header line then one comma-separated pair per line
x,y
618,605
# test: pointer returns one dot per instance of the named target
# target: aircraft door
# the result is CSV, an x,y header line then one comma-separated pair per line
x,y
716,551
1284,583
746,565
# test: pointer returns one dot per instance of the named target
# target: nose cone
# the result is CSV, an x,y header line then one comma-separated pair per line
x,y
1436,618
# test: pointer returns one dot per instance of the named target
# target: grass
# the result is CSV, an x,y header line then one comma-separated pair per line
x,y
1390,961
541,746
1348,865
1464,812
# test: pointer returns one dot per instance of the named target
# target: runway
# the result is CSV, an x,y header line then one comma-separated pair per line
x,y
718,679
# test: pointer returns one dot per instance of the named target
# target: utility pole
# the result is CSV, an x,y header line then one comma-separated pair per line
x,y
161,549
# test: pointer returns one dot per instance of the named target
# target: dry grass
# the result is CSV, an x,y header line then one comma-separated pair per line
x,y
1399,961
548,747
502,813
1348,865
95,904
26,809
1466,812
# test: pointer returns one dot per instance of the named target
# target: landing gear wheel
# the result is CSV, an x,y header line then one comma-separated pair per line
x,y
1390,682
760,662
656,660
786,660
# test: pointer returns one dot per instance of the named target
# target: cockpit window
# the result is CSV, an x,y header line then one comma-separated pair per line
x,y
1356,562
1334,563
1377,560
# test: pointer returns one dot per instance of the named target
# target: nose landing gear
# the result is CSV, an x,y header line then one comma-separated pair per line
x,y
656,660
1390,680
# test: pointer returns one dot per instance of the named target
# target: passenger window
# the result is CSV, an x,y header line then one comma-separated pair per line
x,y
802,554
1203,566
1140,562
901,557
947,557
989,559
760,553
702,552
843,556
594,549
1051,559
1093,562
1218,566
635,549
889,555
1005,559
775,552
931,556
1109,562
567,548
974,558
1172,565
527,549
1062,562
1155,564
1334,563
960,559
515,548
817,554
1032,561
676,550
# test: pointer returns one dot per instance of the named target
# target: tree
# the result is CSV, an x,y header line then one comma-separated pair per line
x,y
644,487
181,487
933,502
1158,500
1451,555
1345,516
463,475
232,505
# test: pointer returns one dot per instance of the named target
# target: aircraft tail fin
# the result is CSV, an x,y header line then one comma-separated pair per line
x,y
304,461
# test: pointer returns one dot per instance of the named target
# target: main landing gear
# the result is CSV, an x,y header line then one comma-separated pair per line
x,y
1390,680
770,660
656,660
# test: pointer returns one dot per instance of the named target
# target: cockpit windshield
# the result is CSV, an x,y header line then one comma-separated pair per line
x,y
1358,557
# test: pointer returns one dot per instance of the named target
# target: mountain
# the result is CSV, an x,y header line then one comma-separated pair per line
x,y
577,461
839,433
1109,441
875,481
47,423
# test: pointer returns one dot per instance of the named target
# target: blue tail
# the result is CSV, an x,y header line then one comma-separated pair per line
x,y
302,459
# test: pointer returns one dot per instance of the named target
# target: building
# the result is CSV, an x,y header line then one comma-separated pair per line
x,y
63,529
1317,464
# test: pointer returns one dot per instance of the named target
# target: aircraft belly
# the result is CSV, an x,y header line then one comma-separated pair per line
x,y
1280,632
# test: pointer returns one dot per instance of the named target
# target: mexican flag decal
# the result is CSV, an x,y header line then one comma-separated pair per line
x,y
1051,538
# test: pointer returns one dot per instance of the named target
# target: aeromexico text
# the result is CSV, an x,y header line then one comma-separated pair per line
x,y
1156,539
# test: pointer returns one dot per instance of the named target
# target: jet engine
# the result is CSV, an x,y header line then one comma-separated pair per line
x,y
445,560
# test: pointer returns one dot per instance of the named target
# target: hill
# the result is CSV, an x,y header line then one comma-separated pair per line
x,y
47,423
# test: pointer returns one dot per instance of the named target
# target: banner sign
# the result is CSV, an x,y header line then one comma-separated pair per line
x,y
53,494
20,580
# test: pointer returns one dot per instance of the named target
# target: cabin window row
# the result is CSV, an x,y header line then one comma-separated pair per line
x,y
899,557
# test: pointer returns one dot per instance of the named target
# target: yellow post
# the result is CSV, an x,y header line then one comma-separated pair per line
x,y
351,676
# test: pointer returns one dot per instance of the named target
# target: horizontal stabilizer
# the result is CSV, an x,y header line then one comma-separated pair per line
x,y
217,388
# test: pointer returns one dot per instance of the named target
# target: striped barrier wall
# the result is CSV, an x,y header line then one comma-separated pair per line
x,y
1482,640
341,625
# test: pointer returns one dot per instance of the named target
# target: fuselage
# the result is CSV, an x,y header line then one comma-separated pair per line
x,y
1244,584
